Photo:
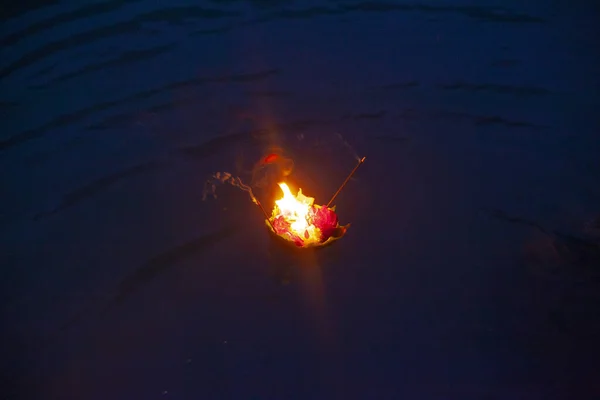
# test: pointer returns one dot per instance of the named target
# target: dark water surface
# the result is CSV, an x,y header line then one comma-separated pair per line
x,y
471,270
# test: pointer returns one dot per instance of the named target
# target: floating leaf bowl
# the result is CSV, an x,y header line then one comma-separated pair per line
x,y
285,240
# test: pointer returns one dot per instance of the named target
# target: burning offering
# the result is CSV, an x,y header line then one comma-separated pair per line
x,y
298,220
295,219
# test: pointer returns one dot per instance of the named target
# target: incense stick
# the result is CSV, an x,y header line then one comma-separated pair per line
x,y
266,215
362,160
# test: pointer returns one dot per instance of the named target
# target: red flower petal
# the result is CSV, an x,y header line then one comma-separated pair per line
x,y
325,219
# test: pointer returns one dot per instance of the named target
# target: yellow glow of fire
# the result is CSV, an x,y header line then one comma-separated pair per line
x,y
294,209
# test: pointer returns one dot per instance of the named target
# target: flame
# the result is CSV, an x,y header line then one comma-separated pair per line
x,y
295,210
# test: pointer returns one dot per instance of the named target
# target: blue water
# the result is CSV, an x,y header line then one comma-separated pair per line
x,y
470,270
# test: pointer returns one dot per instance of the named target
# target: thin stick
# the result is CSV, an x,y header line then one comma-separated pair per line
x,y
265,213
362,160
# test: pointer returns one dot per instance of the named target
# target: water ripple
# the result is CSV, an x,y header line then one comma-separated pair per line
x,y
485,14
82,114
86,11
172,15
91,189
496,88
124,58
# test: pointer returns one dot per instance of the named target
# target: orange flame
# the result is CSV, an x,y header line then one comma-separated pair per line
x,y
295,209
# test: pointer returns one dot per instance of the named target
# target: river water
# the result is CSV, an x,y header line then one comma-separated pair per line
x,y
470,270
